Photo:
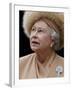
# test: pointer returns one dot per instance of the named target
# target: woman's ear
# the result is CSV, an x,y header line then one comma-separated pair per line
x,y
51,45
52,42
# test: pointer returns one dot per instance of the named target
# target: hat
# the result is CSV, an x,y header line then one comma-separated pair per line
x,y
30,17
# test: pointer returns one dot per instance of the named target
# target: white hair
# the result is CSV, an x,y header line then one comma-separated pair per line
x,y
56,38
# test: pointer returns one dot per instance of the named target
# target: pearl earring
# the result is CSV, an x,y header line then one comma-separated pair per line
x,y
51,45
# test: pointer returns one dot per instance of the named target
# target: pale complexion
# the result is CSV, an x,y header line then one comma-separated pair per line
x,y
41,41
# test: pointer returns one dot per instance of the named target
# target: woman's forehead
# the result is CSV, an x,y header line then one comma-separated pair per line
x,y
40,23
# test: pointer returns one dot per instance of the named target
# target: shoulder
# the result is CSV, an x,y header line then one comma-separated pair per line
x,y
58,65
24,63
59,60
26,58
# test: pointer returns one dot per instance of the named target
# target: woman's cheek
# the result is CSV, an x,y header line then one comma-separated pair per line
x,y
46,40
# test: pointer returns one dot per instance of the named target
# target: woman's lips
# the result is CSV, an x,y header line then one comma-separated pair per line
x,y
35,42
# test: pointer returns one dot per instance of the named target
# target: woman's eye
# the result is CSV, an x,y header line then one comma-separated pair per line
x,y
33,29
40,30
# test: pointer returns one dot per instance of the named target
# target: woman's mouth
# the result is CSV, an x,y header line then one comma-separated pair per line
x,y
35,42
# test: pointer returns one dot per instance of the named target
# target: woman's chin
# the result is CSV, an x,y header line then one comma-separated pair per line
x,y
35,48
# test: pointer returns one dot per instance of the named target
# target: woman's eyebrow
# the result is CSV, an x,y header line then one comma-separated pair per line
x,y
40,27
33,26
43,28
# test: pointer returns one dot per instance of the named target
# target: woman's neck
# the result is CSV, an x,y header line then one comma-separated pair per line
x,y
43,55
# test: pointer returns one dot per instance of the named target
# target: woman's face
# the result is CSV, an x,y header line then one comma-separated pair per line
x,y
40,38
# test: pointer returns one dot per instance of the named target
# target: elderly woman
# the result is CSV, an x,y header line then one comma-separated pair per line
x,y
45,31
